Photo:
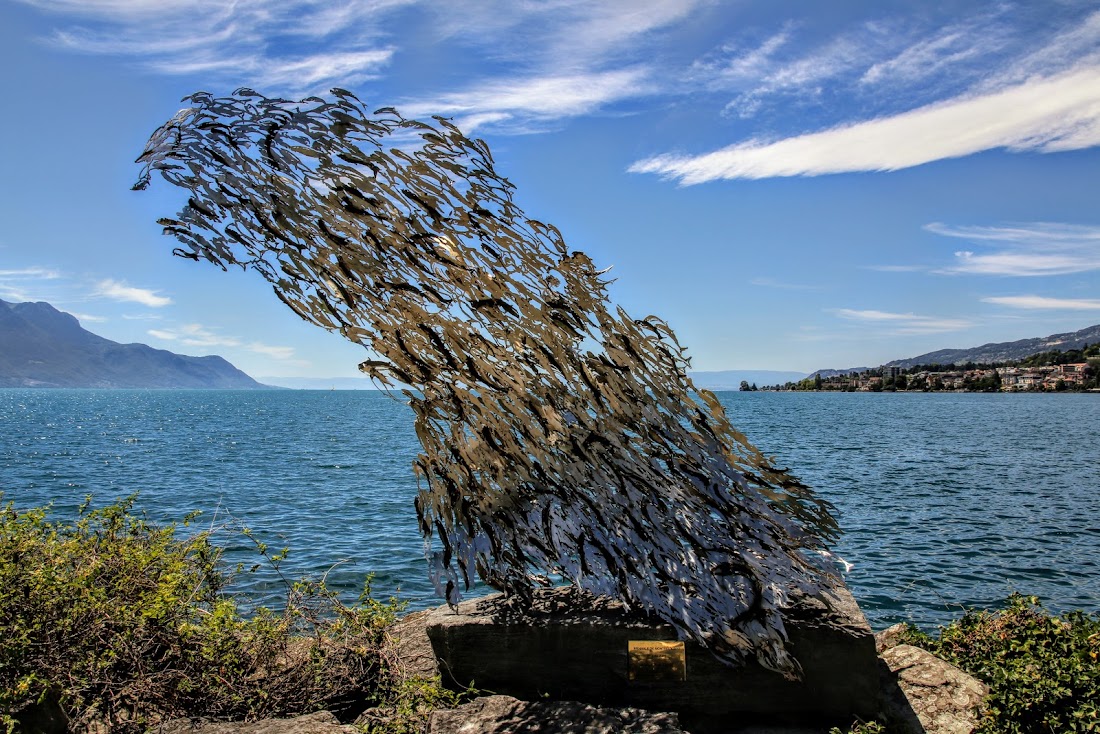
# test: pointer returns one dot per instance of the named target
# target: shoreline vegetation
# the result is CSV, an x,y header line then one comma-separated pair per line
x,y
113,624
110,623
1074,370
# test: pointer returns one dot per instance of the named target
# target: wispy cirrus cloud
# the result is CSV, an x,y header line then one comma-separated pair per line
x,y
878,62
30,274
991,81
904,323
564,34
1044,115
259,42
203,337
761,75
25,284
1044,303
531,62
957,50
271,351
119,291
539,97
195,335
555,60
87,317
1035,249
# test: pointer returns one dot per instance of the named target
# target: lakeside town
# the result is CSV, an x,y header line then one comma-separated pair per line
x,y
1075,370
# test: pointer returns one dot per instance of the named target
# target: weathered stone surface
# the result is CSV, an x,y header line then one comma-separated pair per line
x,y
507,715
889,637
321,722
927,695
571,646
411,650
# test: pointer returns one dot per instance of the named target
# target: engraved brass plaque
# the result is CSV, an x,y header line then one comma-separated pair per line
x,y
656,661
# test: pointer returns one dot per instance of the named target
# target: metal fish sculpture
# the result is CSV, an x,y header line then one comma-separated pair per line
x,y
559,435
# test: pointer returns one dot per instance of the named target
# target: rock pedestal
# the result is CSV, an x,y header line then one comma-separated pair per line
x,y
922,694
572,646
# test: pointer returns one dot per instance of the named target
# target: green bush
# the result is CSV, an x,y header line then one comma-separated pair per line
x,y
1042,669
113,621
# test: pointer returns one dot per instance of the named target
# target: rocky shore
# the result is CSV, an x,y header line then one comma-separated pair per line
x,y
911,689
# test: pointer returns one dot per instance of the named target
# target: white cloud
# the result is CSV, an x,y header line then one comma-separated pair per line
x,y
749,65
197,335
877,62
904,323
759,73
296,73
1046,232
1045,303
118,291
549,60
239,41
945,51
565,36
1046,115
272,351
88,317
21,284
30,274
1036,249
1020,263
554,60
1066,48
345,68
537,96
827,62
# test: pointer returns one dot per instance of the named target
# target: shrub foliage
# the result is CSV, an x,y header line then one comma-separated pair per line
x,y
119,622
1042,669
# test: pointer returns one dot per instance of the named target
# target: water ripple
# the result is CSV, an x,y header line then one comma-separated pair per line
x,y
946,500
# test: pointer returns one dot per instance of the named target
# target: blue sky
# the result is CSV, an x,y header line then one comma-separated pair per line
x,y
792,186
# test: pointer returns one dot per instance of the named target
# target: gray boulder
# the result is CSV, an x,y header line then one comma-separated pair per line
x,y
926,695
321,722
507,715
571,646
889,637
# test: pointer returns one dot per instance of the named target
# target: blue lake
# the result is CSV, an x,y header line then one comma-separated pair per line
x,y
946,500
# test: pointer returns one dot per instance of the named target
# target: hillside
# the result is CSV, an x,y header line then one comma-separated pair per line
x,y
1005,351
43,347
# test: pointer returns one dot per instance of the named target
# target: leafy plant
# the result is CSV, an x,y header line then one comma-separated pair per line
x,y
113,620
1042,669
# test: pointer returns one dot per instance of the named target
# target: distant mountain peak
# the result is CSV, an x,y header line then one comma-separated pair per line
x,y
1005,351
41,346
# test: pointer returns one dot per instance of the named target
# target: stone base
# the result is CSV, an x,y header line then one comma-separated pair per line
x,y
574,647
507,715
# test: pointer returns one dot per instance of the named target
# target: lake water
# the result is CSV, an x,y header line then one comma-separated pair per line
x,y
946,500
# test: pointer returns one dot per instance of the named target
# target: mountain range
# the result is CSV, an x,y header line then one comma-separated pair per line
x,y
989,353
1005,351
43,347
